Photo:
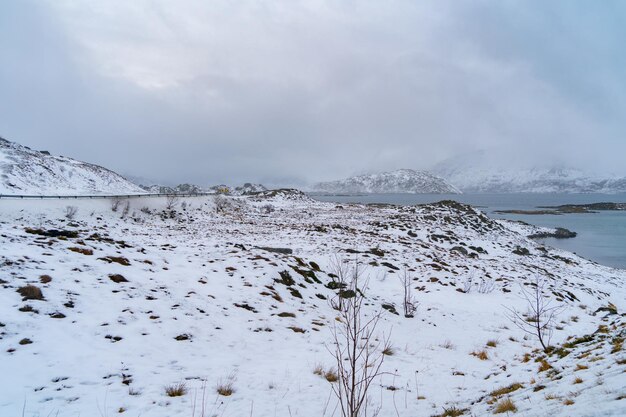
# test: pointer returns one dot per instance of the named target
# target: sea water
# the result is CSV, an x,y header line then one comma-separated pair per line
x,y
601,235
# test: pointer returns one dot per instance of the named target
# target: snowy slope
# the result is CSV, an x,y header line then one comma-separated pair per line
x,y
28,172
399,181
206,301
483,173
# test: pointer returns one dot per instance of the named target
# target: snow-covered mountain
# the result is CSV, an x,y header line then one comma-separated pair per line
x,y
399,181
483,173
28,172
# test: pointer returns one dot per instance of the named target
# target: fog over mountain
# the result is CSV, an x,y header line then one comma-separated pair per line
x,y
504,171
300,92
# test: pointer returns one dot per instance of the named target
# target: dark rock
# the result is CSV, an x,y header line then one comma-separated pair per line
x,y
284,251
460,249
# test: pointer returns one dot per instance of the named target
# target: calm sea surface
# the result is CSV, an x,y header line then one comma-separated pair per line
x,y
601,236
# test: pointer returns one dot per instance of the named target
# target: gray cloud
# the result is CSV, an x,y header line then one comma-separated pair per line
x,y
291,91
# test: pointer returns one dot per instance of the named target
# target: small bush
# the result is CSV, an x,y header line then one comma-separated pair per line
x,y
30,292
176,390
578,380
44,279
505,406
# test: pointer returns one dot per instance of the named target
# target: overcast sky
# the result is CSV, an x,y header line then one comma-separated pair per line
x,y
226,91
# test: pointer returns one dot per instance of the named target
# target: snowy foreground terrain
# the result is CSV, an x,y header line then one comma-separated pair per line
x,y
141,298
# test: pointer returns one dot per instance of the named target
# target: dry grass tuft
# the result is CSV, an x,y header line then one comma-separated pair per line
x,y
505,406
331,375
492,343
578,380
30,292
447,345
44,279
389,351
544,366
580,367
568,401
225,388
318,370
480,354
176,390
451,412
506,390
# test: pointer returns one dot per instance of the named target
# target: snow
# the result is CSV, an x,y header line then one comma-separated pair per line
x,y
24,171
188,269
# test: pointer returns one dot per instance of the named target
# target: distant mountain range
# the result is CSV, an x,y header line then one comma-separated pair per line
x,y
26,171
481,172
399,181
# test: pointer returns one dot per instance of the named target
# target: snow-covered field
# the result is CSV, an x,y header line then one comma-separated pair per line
x,y
119,292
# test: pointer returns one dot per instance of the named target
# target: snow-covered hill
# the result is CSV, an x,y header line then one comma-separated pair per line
x,y
399,181
215,292
481,172
28,172
245,189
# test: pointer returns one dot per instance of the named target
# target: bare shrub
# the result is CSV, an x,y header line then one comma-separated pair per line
x,y
469,282
486,286
224,205
357,350
539,320
267,209
408,303
115,204
340,271
126,209
70,212
171,202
